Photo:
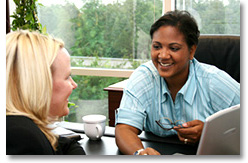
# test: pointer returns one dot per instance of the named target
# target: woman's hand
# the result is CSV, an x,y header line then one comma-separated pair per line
x,y
128,142
149,151
191,131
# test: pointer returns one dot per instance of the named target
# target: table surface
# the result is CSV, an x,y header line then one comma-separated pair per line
x,y
107,146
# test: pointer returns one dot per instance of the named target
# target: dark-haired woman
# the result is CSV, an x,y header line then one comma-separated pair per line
x,y
174,93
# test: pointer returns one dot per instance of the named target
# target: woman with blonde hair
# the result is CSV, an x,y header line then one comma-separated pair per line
x,y
38,85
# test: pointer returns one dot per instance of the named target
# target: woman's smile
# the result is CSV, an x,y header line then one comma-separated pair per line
x,y
165,64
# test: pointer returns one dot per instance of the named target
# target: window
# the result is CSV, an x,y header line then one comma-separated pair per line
x,y
114,34
214,16
105,34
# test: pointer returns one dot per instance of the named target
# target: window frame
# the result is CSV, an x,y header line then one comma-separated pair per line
x,y
86,71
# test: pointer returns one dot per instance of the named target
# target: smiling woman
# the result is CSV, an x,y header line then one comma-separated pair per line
x,y
38,85
173,86
173,48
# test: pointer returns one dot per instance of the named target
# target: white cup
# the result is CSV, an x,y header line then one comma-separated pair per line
x,y
94,126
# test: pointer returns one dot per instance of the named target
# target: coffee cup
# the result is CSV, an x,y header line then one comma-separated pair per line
x,y
94,126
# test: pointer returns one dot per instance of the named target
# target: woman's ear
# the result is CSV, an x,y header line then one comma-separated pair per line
x,y
192,52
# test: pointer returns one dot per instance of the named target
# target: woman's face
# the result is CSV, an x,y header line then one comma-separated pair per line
x,y
63,84
170,53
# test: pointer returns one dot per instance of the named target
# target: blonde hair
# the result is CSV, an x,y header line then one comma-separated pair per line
x,y
29,58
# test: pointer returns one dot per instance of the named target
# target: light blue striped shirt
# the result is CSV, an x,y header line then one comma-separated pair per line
x,y
146,97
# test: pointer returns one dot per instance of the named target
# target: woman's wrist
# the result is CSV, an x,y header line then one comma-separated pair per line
x,y
138,151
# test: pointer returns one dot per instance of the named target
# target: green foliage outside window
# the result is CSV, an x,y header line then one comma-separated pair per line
x,y
103,30
108,30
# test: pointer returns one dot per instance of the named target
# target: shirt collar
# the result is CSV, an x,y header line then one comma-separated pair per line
x,y
188,90
165,90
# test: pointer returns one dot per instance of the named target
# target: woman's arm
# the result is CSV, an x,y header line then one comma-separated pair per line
x,y
68,146
128,141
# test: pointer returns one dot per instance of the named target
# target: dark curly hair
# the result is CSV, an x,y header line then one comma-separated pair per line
x,y
182,20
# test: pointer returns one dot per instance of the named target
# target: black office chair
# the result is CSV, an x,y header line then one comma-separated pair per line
x,y
223,51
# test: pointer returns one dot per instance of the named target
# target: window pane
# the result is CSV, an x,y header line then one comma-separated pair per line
x,y
214,16
100,30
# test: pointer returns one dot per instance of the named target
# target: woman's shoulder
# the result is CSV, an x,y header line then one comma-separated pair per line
x,y
148,68
218,84
146,74
23,136
18,119
206,72
14,122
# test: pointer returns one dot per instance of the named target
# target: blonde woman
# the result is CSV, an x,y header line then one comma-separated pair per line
x,y
38,85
